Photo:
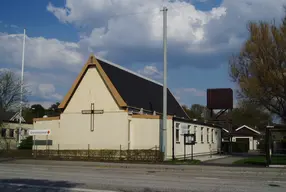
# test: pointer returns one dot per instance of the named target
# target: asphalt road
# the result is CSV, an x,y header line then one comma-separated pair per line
x,y
42,176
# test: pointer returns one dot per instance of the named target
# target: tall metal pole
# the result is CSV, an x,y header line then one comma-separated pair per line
x,y
164,131
22,83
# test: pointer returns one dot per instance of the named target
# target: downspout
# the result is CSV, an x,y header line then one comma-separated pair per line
x,y
173,144
128,136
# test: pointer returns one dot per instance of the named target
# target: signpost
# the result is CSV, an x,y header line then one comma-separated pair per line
x,y
189,139
39,132
45,132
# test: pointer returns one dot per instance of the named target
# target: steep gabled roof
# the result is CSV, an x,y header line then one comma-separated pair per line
x,y
6,116
129,89
10,116
248,128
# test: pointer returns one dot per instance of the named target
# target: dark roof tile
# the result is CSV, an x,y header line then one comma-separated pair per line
x,y
140,92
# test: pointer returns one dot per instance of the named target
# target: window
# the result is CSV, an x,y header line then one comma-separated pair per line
x,y
212,132
216,138
189,129
11,133
3,132
177,132
202,134
208,135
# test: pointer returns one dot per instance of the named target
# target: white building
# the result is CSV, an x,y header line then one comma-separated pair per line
x,y
244,135
127,115
9,129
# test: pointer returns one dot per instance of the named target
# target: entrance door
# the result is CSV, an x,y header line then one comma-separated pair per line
x,y
242,144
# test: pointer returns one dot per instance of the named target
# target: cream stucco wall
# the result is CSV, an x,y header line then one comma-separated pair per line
x,y
91,89
201,147
145,133
74,131
114,129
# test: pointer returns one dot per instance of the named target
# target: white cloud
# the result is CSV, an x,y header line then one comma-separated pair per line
x,y
189,91
44,85
113,22
48,91
39,52
132,23
183,95
151,71
45,104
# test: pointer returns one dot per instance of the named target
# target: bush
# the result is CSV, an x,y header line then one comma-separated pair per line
x,y
26,143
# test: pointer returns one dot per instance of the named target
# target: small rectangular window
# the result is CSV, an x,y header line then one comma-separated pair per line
x,y
212,136
3,132
11,133
177,132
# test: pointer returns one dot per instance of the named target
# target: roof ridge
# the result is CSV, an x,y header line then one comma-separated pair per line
x,y
127,70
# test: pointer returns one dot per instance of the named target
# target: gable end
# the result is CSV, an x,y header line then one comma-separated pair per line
x,y
92,62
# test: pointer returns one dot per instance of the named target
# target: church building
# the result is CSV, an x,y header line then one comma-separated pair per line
x,y
110,107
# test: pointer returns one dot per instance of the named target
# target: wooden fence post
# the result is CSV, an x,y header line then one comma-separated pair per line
x,y
59,151
88,152
156,153
120,152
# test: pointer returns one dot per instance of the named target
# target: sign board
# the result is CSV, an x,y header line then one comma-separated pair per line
x,y
40,132
185,129
92,111
190,139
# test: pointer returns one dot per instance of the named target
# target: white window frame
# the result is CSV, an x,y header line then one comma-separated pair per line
x,y
177,132
189,129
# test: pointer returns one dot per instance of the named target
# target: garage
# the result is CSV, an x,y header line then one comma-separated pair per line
x,y
241,145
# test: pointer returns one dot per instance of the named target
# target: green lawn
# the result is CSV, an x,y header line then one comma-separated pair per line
x,y
184,162
261,160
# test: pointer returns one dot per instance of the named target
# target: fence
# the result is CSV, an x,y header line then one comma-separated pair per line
x,y
142,155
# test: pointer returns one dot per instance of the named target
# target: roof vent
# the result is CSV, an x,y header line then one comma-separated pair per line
x,y
141,111
130,112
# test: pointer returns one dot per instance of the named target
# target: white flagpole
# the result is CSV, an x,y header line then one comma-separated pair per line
x,y
164,128
22,83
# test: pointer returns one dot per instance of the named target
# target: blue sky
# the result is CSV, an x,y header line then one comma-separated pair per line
x,y
202,35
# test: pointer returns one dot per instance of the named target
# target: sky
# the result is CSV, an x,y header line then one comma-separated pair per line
x,y
60,35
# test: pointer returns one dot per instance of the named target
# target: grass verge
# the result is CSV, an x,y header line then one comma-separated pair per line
x,y
261,160
183,162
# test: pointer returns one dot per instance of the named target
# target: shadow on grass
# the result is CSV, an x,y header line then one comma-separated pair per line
x,y
183,162
258,160
36,185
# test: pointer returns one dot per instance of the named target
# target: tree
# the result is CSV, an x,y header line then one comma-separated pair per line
x,y
259,68
251,115
10,97
26,143
38,110
34,111
195,112
54,110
